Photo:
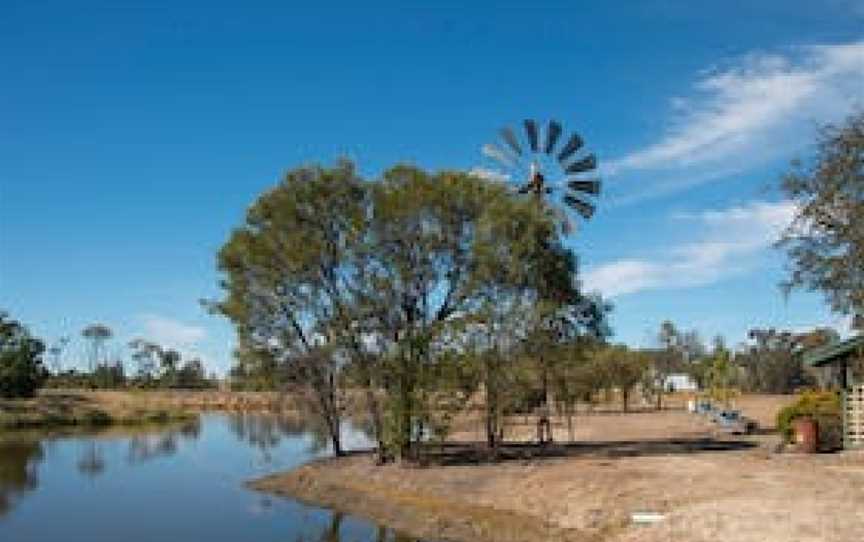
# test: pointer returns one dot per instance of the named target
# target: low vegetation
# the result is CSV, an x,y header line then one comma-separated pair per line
x,y
84,409
825,408
21,370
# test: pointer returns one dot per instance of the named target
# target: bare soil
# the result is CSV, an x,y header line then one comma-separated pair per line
x,y
708,486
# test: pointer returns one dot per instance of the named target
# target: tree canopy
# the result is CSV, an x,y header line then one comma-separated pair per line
x,y
825,242
21,370
393,281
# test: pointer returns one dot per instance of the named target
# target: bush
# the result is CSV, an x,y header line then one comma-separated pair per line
x,y
21,371
96,417
825,407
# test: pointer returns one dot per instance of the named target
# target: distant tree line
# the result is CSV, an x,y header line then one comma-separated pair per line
x,y
25,360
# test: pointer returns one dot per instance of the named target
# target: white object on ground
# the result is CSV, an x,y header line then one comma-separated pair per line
x,y
647,518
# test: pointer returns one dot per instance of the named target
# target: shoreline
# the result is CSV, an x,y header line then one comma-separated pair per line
x,y
727,495
703,485
424,515
58,409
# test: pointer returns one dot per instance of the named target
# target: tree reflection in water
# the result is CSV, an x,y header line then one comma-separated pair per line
x,y
144,447
18,460
333,532
265,431
91,463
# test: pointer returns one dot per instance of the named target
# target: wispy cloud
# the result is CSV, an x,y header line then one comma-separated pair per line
x,y
761,108
173,333
729,244
489,174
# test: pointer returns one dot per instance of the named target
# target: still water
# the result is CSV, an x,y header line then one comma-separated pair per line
x,y
182,483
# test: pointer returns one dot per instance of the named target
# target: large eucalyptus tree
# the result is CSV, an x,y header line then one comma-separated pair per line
x,y
331,276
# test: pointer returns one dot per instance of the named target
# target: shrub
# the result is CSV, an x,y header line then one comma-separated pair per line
x,y
825,407
21,371
95,417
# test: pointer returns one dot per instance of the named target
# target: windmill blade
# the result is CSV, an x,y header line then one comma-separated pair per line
x,y
586,164
587,187
496,153
524,189
553,132
573,145
584,209
531,130
510,139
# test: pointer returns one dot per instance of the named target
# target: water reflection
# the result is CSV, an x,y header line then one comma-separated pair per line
x,y
18,461
91,463
334,531
201,467
146,446
265,432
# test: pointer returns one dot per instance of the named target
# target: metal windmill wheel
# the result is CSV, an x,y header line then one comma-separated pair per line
x,y
536,165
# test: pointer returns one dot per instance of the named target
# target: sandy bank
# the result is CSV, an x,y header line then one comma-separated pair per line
x,y
709,488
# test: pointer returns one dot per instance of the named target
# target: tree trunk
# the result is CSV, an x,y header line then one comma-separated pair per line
x,y
335,423
337,443
625,398
377,425
333,534
405,420
490,426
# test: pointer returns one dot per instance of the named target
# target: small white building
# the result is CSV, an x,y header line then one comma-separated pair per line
x,y
680,382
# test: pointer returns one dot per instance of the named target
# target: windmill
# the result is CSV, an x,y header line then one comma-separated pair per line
x,y
537,165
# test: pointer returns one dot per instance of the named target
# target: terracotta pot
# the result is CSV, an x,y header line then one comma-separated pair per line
x,y
806,431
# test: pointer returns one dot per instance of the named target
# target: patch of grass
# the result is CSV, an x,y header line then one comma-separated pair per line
x,y
54,410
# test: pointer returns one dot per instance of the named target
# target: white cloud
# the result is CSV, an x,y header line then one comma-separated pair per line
x,y
173,333
763,108
730,242
489,174
760,219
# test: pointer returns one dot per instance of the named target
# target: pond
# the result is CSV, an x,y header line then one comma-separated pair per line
x,y
183,483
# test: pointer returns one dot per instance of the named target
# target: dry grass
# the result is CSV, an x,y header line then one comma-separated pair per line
x,y
68,408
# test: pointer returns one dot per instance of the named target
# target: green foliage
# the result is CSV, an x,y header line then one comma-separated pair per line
x,y
291,279
97,334
621,368
719,373
419,285
21,371
825,241
163,368
823,406
771,361
108,376
667,360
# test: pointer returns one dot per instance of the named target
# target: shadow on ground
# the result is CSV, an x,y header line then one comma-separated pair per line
x,y
472,453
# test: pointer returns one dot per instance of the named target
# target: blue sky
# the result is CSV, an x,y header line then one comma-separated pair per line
x,y
133,137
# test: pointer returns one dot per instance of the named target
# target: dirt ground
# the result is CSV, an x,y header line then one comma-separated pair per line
x,y
709,487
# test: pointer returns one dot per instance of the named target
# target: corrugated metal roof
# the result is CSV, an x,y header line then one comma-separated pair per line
x,y
825,355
